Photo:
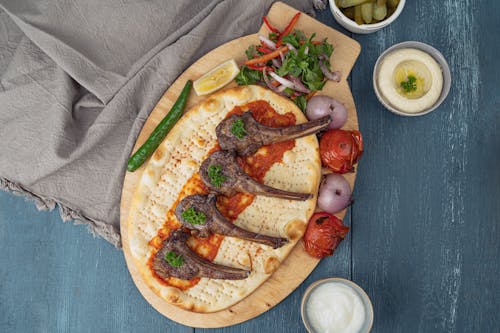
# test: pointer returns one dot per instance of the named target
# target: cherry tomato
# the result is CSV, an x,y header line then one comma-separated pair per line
x,y
323,234
340,149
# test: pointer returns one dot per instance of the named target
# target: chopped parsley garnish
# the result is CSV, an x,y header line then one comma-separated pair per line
x,y
238,129
305,65
410,84
248,76
250,52
301,102
216,176
302,63
174,259
193,216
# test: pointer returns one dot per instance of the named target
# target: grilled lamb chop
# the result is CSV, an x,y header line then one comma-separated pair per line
x,y
243,134
214,222
187,265
222,174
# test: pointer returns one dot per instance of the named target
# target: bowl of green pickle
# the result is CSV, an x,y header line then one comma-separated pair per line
x,y
366,16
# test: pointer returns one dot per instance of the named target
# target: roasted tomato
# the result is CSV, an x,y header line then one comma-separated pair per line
x,y
324,233
340,149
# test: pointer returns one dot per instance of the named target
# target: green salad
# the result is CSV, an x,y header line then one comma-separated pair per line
x,y
289,63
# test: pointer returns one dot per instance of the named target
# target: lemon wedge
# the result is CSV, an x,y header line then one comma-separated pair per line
x,y
216,78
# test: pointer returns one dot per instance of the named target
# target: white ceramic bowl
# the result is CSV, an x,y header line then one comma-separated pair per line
x,y
364,28
367,325
430,51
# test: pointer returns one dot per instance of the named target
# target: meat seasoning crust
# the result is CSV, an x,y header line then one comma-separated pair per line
x,y
179,157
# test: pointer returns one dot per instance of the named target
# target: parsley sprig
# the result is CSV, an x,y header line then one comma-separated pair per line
x,y
174,259
193,216
238,129
305,65
410,84
216,176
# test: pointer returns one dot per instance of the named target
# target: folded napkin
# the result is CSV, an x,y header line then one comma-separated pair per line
x,y
78,79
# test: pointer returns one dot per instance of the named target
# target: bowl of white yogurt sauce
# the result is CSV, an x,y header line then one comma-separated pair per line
x,y
336,305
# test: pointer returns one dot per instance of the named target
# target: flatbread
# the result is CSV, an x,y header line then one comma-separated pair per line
x,y
179,157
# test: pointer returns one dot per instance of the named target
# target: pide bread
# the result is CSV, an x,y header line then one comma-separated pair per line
x,y
172,173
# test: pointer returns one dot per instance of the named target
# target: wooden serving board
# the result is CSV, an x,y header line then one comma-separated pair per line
x,y
299,264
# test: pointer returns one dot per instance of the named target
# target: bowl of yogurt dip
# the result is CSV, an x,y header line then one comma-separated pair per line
x,y
336,305
411,78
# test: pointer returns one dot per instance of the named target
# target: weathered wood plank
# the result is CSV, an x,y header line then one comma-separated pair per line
x,y
426,243
425,236
55,277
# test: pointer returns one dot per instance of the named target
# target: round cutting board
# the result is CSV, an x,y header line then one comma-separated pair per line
x,y
288,276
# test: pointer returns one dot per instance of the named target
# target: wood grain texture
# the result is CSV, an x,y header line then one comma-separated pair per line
x,y
56,277
403,238
287,277
427,229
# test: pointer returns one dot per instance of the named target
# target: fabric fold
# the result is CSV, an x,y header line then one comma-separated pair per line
x,y
79,78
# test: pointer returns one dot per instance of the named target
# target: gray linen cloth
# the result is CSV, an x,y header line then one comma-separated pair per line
x,y
78,79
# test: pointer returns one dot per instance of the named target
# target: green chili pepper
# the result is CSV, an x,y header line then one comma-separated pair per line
x,y
161,131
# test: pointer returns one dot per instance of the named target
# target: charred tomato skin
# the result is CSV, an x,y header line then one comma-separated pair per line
x,y
341,149
323,234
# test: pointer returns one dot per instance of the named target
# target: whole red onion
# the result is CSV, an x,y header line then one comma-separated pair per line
x,y
320,106
334,193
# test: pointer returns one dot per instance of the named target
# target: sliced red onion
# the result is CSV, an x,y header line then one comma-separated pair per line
x,y
276,62
278,90
269,43
334,194
299,86
266,80
337,76
289,84
334,76
282,56
282,80
291,47
306,50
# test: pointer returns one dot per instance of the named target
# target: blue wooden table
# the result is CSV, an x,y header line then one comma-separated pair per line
x,y
425,226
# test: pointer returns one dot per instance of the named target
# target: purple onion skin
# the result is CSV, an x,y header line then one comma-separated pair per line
x,y
268,83
320,106
334,194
